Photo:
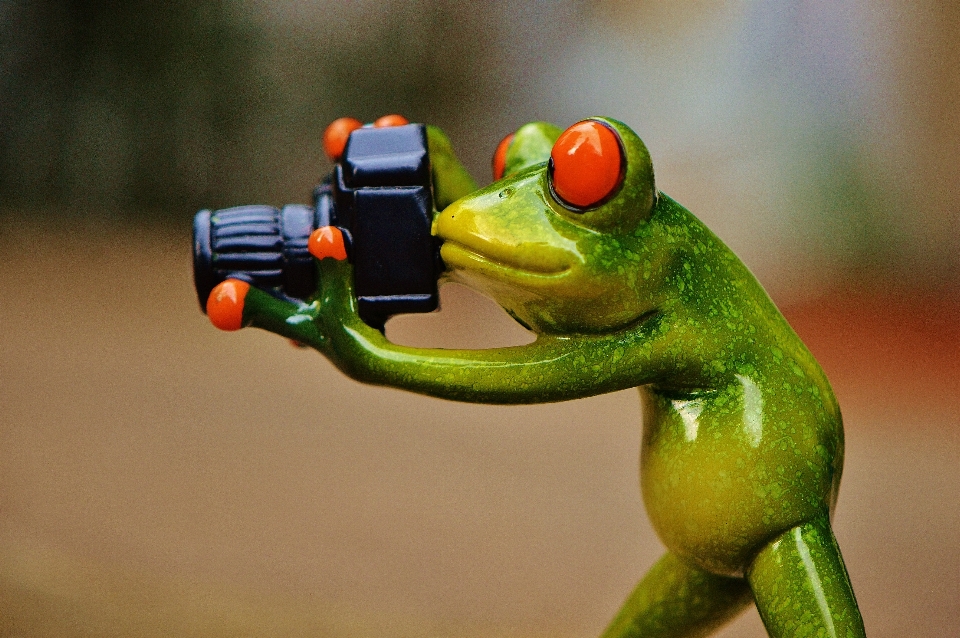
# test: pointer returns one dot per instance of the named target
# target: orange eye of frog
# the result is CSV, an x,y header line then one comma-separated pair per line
x,y
586,164
500,157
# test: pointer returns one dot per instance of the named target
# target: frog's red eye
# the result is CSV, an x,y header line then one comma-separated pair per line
x,y
500,157
336,136
586,164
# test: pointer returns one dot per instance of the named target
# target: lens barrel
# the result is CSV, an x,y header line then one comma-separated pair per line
x,y
259,244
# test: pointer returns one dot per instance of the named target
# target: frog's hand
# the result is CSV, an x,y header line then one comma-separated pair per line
x,y
451,181
235,304
553,368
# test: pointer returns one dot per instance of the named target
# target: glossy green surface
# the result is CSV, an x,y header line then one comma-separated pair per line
x,y
742,445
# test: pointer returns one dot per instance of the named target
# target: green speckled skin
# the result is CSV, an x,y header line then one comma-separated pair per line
x,y
742,443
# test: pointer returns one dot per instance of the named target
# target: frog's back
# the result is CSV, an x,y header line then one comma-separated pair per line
x,y
754,449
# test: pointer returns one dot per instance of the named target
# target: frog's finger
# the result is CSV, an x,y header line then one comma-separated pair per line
x,y
225,304
235,304
387,121
327,241
336,135
328,246
335,292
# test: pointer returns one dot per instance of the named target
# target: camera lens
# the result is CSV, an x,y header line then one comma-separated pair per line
x,y
259,244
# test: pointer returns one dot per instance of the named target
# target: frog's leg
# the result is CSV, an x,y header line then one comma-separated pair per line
x,y
675,600
801,585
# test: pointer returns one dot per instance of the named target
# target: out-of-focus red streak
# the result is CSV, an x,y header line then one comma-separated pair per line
x,y
889,350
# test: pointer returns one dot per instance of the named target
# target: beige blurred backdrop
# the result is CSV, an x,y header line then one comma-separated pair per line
x,y
160,478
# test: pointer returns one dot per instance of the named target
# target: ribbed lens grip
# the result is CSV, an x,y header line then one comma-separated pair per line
x,y
260,244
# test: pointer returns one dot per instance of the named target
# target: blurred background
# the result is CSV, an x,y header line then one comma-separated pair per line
x,y
158,477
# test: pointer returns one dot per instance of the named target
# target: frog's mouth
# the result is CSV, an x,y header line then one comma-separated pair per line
x,y
505,234
535,261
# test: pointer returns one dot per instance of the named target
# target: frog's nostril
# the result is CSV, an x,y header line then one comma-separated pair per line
x,y
506,192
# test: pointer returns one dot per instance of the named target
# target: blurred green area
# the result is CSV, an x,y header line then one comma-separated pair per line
x,y
819,139
169,107
124,104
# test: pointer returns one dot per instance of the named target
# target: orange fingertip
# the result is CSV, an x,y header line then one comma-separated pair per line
x,y
336,136
225,304
500,157
327,241
390,120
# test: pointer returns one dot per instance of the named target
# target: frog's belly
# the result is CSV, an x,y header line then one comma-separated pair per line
x,y
716,489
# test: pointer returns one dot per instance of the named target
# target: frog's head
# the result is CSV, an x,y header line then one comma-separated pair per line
x,y
563,240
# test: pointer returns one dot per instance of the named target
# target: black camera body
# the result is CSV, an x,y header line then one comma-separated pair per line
x,y
379,196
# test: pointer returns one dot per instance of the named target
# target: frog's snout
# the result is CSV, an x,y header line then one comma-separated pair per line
x,y
497,233
448,223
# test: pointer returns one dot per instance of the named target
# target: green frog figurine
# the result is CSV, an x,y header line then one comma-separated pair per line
x,y
742,445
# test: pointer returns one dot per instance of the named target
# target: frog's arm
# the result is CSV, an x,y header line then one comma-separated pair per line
x,y
553,368
451,181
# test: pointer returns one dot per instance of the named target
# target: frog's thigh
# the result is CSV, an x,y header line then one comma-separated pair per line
x,y
675,600
801,586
